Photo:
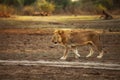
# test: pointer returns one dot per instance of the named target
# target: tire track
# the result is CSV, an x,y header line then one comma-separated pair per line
x,y
94,65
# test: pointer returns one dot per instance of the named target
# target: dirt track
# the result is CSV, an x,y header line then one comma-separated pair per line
x,y
75,64
55,73
37,46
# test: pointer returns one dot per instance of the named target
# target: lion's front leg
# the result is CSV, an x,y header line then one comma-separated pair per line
x,y
91,52
75,50
65,54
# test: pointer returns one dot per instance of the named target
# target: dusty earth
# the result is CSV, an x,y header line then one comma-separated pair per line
x,y
35,44
30,44
55,73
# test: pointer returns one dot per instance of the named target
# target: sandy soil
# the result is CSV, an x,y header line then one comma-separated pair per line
x,y
36,45
55,73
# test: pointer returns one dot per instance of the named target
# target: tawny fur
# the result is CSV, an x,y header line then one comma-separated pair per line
x,y
70,39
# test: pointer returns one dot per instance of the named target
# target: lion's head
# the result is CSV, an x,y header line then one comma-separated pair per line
x,y
57,38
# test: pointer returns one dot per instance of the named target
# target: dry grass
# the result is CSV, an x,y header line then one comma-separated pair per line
x,y
27,31
40,21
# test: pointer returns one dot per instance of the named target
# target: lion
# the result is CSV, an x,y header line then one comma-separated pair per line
x,y
71,39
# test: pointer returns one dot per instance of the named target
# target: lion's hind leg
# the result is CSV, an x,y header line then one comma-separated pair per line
x,y
100,54
98,47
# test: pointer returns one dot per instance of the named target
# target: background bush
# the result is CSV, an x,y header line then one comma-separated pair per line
x,y
77,7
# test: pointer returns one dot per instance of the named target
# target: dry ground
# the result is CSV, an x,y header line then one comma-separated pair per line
x,y
55,73
84,22
32,44
35,44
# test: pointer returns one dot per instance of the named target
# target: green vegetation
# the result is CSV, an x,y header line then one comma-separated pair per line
x,y
75,7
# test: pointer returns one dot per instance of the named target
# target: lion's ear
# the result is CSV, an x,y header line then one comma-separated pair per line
x,y
60,32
